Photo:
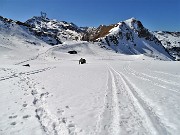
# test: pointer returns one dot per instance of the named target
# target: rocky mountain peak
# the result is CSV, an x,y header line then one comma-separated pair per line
x,y
60,29
128,37
133,23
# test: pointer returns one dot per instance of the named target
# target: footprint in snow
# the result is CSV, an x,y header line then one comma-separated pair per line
x,y
24,105
25,94
60,111
64,120
12,117
26,116
71,125
35,101
71,128
43,94
34,92
13,123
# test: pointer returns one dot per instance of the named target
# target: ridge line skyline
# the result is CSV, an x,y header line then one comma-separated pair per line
x,y
155,15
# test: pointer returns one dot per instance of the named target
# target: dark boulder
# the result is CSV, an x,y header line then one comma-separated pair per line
x,y
26,65
72,52
82,61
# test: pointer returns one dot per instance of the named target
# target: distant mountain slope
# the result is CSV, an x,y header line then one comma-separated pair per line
x,y
16,41
60,29
126,37
11,31
171,41
17,25
130,37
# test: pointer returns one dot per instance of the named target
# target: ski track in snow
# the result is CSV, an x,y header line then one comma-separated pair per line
x,y
125,112
173,75
149,119
154,80
109,118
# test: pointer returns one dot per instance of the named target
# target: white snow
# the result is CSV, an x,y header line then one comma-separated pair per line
x,y
111,94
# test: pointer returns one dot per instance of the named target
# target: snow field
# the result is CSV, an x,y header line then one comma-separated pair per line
x,y
111,94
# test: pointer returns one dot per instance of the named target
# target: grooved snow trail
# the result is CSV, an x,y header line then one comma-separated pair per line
x,y
160,72
144,107
124,113
110,117
114,125
154,80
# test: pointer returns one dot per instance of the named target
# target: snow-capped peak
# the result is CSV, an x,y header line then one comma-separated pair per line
x,y
134,24
131,37
62,29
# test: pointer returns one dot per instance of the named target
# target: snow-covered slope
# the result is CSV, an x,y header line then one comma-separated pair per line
x,y
17,42
114,93
110,95
61,29
46,37
171,41
127,37
130,37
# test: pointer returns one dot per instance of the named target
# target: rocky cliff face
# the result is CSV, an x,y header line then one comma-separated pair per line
x,y
171,41
91,34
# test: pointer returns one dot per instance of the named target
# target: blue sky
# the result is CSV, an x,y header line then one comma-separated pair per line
x,y
154,14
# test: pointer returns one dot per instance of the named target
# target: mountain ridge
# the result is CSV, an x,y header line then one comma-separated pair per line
x,y
128,37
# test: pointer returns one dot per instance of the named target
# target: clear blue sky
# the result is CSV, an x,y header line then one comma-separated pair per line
x,y
154,14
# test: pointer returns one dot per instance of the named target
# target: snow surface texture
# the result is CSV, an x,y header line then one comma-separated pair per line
x,y
111,94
